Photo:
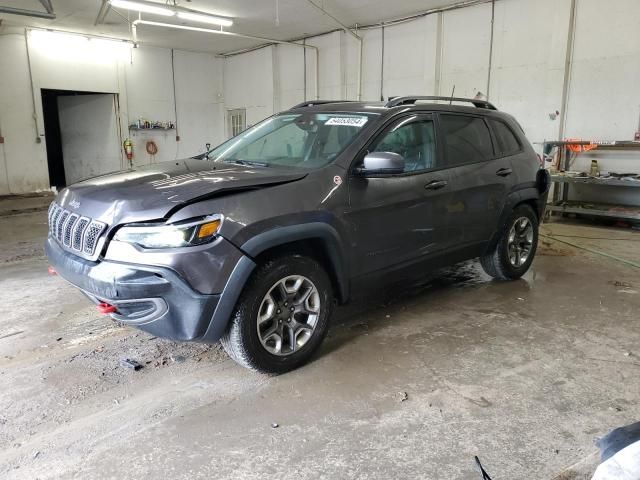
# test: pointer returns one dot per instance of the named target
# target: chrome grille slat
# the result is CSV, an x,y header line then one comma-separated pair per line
x,y
60,225
68,228
75,233
91,236
54,220
78,232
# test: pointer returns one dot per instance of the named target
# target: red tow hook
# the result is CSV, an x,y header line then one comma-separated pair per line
x,y
105,308
51,271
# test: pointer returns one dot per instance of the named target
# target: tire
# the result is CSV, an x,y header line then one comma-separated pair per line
x,y
252,341
506,261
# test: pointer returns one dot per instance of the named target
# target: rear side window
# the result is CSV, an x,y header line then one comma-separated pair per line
x,y
466,139
508,144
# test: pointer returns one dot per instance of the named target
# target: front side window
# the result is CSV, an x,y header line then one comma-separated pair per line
x,y
466,139
414,140
310,140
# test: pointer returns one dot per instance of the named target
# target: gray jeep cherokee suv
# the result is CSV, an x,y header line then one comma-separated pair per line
x,y
254,242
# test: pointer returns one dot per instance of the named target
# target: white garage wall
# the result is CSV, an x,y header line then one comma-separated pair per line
x,y
199,95
288,76
466,39
144,87
22,167
413,71
150,96
604,92
529,52
248,83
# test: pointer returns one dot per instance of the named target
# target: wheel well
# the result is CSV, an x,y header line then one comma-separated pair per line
x,y
533,203
314,248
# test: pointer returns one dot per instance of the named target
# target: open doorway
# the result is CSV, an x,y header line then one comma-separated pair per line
x,y
81,134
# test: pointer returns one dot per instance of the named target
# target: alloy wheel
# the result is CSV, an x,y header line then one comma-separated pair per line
x,y
520,241
288,315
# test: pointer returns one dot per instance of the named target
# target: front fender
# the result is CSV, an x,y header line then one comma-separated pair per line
x,y
324,232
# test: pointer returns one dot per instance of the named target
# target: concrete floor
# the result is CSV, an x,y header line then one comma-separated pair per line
x,y
523,374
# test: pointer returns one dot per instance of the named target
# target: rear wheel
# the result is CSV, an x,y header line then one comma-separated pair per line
x,y
516,247
282,315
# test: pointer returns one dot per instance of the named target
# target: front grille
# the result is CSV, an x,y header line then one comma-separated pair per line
x,y
78,234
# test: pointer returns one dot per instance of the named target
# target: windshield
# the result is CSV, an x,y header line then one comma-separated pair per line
x,y
310,140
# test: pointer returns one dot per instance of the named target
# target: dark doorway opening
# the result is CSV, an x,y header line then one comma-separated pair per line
x,y
53,135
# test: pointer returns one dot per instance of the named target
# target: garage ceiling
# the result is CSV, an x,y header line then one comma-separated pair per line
x,y
297,18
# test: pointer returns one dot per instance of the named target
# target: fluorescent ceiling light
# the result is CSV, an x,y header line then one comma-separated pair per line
x,y
179,27
143,7
204,18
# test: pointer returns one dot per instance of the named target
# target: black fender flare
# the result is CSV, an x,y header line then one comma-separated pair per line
x,y
324,232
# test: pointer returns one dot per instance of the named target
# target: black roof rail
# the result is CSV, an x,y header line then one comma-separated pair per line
x,y
311,103
394,102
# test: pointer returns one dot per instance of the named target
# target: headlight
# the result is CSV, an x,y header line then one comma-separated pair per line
x,y
182,234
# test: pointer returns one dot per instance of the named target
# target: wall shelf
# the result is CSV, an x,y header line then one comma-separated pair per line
x,y
597,210
610,181
159,129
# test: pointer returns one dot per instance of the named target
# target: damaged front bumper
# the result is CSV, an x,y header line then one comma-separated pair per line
x,y
151,298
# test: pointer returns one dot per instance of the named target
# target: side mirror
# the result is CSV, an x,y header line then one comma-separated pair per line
x,y
382,163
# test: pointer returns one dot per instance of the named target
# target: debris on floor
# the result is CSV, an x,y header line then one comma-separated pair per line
x,y
131,364
401,397
552,249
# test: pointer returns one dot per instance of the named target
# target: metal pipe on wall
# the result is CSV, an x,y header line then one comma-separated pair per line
x,y
304,70
382,66
567,69
493,17
33,91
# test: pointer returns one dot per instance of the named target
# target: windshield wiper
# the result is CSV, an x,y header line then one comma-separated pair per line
x,y
246,162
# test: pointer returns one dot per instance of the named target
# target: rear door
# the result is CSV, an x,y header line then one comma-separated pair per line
x,y
479,178
396,220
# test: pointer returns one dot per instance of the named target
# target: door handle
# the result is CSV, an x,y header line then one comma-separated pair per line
x,y
504,172
436,184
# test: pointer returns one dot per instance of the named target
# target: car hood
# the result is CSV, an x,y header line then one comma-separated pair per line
x,y
155,191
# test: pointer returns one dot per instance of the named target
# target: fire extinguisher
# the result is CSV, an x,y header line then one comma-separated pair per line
x,y
128,148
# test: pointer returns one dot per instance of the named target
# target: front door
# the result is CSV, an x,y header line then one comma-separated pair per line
x,y
398,219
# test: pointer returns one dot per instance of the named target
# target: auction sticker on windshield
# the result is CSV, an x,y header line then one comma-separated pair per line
x,y
347,121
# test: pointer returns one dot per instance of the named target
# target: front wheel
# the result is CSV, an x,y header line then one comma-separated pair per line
x,y
516,247
282,315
